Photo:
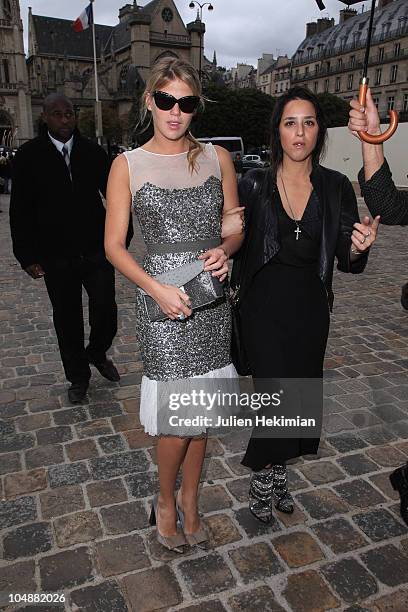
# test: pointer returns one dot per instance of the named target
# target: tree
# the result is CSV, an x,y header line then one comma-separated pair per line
x,y
336,109
112,129
241,112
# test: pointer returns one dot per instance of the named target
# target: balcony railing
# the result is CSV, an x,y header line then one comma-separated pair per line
x,y
8,86
347,67
174,39
282,77
326,52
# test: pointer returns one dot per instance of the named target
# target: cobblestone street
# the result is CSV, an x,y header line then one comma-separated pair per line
x,y
76,482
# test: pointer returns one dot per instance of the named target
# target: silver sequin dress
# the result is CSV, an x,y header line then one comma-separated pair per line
x,y
174,205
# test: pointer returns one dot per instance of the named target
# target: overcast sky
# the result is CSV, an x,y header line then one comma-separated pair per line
x,y
239,30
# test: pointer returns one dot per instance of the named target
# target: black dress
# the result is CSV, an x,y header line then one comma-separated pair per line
x,y
287,322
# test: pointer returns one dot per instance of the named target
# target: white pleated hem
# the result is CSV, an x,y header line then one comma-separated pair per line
x,y
149,395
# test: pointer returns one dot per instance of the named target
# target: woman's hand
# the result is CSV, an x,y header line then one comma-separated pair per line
x,y
364,119
217,261
364,235
233,221
172,301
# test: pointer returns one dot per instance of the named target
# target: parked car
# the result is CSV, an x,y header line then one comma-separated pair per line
x,y
252,157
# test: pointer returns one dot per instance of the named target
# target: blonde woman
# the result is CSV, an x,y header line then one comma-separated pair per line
x,y
179,190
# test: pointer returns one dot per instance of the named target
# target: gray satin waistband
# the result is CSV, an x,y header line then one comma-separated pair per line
x,y
182,247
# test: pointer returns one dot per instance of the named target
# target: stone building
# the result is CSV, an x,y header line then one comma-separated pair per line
x,y
331,56
274,79
241,76
15,103
60,59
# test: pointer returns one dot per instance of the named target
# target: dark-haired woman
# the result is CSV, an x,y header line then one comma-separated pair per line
x,y
299,217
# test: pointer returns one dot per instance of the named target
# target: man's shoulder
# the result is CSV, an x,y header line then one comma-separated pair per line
x,y
92,148
31,146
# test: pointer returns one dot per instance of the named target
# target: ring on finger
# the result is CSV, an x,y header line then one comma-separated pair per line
x,y
363,240
181,316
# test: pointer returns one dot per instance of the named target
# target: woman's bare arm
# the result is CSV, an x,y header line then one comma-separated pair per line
x,y
232,243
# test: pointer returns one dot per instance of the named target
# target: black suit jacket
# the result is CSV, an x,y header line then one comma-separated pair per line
x,y
340,212
50,215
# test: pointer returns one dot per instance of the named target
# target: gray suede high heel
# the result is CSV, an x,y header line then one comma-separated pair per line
x,y
197,538
173,543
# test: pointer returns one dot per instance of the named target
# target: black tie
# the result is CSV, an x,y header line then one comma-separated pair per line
x,y
65,155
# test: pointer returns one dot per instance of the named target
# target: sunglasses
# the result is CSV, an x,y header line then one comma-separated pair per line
x,y
165,102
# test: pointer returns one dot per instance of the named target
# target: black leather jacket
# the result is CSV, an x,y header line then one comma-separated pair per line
x,y
340,212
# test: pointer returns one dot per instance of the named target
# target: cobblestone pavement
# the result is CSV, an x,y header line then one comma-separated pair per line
x,y
76,481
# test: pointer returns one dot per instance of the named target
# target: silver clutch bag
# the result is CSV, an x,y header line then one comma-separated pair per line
x,y
200,286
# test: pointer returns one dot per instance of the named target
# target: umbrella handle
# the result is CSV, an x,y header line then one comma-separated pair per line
x,y
380,138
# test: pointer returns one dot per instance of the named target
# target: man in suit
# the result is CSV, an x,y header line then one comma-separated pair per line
x,y
57,223
382,198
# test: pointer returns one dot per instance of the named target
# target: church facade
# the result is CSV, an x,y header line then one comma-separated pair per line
x,y
60,59
16,124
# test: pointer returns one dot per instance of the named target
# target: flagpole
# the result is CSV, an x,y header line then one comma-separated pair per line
x,y
99,128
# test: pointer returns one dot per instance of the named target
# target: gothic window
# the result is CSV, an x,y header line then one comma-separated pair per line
x,y
6,9
6,71
167,15
5,120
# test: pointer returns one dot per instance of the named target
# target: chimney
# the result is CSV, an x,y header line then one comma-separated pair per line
x,y
346,14
324,24
311,29
383,3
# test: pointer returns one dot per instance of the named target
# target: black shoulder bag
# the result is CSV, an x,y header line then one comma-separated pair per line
x,y
238,354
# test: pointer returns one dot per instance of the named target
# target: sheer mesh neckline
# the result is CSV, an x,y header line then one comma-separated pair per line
x,y
171,171
163,154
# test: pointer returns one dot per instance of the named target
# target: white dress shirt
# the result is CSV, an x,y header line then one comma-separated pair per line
x,y
69,144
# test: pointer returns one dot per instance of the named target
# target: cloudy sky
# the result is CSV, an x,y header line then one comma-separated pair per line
x,y
239,30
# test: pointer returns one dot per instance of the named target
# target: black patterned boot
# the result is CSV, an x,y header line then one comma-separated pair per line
x,y
399,481
260,495
283,499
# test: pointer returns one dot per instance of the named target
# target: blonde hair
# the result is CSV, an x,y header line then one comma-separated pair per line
x,y
170,69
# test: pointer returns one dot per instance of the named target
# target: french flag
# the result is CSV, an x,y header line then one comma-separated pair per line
x,y
84,20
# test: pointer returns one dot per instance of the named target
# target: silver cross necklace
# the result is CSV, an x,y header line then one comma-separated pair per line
x,y
298,231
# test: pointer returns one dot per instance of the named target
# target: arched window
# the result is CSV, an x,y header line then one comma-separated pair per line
x,y
6,6
6,129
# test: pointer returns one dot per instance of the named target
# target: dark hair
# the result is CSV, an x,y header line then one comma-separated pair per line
x,y
296,93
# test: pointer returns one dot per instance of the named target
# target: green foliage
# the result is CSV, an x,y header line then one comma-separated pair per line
x,y
242,112
112,129
335,109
